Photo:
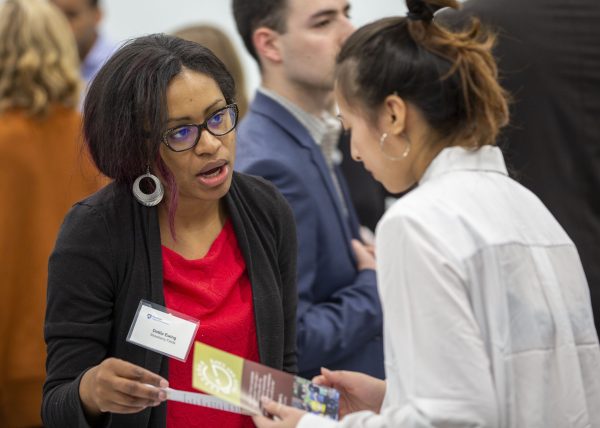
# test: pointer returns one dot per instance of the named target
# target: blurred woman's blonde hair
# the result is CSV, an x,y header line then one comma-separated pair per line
x,y
220,44
39,64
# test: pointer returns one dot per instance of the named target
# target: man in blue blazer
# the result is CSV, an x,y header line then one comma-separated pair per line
x,y
289,137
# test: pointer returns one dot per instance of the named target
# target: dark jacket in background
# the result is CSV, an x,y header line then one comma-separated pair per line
x,y
339,313
549,58
108,257
368,195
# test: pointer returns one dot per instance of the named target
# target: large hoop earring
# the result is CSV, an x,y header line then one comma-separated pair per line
x,y
148,199
395,158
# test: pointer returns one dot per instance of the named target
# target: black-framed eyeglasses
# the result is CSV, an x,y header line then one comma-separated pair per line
x,y
185,137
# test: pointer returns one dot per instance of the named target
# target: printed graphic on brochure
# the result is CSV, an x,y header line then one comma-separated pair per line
x,y
242,383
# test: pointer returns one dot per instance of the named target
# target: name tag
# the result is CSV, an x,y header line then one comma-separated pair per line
x,y
162,330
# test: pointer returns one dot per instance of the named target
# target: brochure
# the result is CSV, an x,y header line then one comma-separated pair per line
x,y
203,400
243,383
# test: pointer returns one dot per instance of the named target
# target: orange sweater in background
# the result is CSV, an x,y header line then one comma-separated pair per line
x,y
43,171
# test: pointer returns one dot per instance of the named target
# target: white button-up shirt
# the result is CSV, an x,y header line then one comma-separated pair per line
x,y
488,321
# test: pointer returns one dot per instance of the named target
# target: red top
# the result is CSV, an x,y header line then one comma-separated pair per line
x,y
215,290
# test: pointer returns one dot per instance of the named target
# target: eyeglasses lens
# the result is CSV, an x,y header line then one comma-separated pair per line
x,y
184,137
221,122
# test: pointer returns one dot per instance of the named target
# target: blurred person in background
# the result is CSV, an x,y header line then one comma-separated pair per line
x,y
94,46
177,227
220,43
42,173
290,137
549,59
488,321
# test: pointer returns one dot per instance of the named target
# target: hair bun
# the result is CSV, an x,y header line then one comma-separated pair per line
x,y
420,10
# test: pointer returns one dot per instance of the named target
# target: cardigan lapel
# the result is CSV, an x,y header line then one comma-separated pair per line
x,y
148,217
264,294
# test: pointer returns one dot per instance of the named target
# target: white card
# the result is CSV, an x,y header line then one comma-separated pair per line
x,y
162,330
198,399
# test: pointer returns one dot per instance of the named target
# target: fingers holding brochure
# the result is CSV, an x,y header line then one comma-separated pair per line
x,y
283,416
358,391
120,387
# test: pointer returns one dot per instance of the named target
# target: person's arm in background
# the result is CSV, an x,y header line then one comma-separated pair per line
x,y
340,326
28,228
83,385
12,222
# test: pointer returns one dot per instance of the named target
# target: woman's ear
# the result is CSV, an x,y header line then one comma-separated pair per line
x,y
266,43
394,110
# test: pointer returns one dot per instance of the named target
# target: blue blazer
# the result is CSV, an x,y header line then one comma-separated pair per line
x,y
339,313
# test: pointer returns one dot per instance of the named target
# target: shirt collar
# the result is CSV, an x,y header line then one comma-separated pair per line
x,y
317,126
451,159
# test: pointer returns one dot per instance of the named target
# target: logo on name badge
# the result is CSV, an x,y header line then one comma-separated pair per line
x,y
157,319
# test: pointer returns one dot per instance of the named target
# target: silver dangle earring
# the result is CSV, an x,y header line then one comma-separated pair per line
x,y
148,199
390,157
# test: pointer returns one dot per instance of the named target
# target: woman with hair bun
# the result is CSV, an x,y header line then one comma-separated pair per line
x,y
487,315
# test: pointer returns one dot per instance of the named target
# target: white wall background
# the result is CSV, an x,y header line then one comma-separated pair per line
x,y
124,19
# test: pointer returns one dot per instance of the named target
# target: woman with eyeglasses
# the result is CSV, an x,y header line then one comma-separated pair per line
x,y
177,229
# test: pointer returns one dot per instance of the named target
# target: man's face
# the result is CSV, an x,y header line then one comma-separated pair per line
x,y
84,19
315,31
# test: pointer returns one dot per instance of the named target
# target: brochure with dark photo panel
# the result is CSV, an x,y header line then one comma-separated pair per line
x,y
243,383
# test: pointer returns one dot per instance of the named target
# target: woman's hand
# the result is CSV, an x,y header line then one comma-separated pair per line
x,y
117,386
287,417
358,391
365,255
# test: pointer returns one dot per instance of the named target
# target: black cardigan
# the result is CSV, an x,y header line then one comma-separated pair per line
x,y
108,257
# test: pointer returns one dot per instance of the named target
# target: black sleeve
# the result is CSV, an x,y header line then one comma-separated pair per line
x,y
287,251
81,278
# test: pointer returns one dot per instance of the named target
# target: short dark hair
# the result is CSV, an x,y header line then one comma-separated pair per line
x,y
252,14
125,110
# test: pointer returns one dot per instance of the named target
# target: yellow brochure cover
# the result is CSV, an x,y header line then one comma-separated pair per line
x,y
243,383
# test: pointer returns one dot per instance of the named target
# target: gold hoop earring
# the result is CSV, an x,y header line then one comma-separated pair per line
x,y
390,157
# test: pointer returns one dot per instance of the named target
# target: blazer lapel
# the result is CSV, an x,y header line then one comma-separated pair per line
x,y
285,120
